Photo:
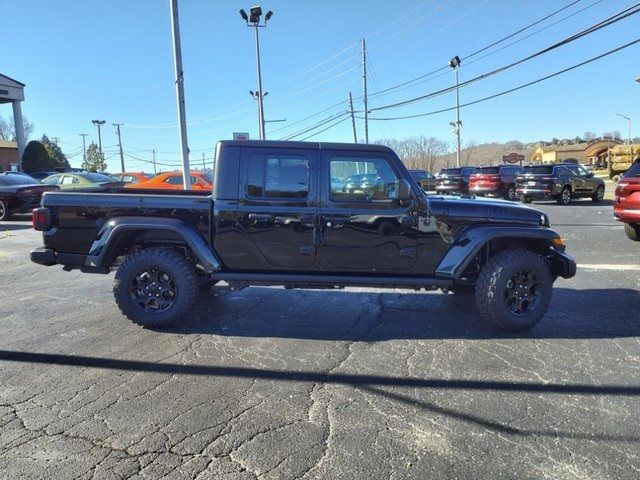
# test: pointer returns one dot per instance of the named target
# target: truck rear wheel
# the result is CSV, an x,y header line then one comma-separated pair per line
x,y
598,196
633,231
565,196
155,287
514,289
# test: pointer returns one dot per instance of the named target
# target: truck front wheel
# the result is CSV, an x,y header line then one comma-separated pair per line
x,y
514,289
156,287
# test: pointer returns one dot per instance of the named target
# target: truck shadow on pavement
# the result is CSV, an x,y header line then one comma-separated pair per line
x,y
368,316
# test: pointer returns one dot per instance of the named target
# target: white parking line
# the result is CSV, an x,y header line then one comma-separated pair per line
x,y
608,266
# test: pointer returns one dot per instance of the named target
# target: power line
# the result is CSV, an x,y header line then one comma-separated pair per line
x,y
598,26
497,42
519,87
324,129
309,117
319,124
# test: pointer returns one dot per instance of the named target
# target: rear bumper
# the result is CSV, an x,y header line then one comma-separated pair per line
x,y
487,190
626,215
48,257
562,264
535,192
43,256
449,189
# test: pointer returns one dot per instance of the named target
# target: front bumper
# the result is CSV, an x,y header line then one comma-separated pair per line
x,y
562,264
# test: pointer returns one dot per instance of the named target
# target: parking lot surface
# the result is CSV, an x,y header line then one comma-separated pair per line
x,y
361,383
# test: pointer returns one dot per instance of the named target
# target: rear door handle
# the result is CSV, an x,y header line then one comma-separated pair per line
x,y
260,217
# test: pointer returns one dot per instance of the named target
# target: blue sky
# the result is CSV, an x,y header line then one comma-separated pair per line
x,y
113,60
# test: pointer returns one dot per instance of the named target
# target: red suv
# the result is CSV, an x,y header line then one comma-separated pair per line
x,y
626,204
495,180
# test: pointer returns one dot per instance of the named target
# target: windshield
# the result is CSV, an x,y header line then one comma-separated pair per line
x,y
489,170
8,180
538,169
96,177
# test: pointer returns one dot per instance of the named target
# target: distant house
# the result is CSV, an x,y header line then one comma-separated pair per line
x,y
9,157
591,153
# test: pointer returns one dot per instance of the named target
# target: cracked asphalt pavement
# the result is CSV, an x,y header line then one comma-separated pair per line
x,y
356,384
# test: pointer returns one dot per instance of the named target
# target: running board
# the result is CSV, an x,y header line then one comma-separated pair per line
x,y
311,281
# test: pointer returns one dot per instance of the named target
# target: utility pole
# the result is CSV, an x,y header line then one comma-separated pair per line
x,y
118,125
364,92
154,161
99,123
457,126
353,119
204,165
177,57
84,146
253,20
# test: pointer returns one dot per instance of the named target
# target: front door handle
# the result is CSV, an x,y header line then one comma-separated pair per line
x,y
336,221
260,217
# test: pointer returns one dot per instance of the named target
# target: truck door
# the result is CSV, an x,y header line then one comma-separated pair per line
x,y
277,204
363,227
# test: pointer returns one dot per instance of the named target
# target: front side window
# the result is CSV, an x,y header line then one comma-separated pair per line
x,y
67,180
278,176
361,179
52,180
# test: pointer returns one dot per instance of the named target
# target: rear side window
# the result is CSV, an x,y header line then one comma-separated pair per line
x,y
278,176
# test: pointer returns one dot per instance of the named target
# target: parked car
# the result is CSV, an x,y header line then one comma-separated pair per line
x,y
19,194
132,177
561,182
42,175
454,180
69,170
626,203
174,181
364,182
74,181
253,231
497,180
426,180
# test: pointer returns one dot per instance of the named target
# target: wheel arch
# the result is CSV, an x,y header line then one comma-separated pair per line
x,y
121,232
488,240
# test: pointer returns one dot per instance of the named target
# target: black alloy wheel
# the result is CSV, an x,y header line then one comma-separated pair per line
x,y
521,292
154,290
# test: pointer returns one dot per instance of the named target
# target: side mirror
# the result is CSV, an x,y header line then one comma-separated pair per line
x,y
590,174
403,190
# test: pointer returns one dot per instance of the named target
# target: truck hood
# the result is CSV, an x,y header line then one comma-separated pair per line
x,y
470,209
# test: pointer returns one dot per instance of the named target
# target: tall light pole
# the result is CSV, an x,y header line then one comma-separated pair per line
x,y
628,126
457,126
179,74
253,20
99,123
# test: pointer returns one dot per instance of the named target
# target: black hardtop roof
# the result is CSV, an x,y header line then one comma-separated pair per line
x,y
363,147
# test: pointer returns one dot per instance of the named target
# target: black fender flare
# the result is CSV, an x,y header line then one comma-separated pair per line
x,y
467,245
102,247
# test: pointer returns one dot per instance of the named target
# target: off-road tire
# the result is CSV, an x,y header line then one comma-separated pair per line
x,y
511,194
633,231
491,289
4,211
598,195
564,198
183,275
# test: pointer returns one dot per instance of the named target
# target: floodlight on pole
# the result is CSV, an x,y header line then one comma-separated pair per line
x,y
253,20
628,119
99,123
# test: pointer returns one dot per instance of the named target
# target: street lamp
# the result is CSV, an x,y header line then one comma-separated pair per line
x,y
253,20
454,63
628,126
99,123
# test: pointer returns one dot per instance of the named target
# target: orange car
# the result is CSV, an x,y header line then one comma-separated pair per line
x,y
173,181
132,177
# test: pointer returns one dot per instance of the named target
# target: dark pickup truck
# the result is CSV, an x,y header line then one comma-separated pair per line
x,y
279,215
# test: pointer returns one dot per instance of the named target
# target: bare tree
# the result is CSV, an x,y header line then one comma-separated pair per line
x,y
469,150
8,129
589,136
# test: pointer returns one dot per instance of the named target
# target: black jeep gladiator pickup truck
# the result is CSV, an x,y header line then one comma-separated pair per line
x,y
280,214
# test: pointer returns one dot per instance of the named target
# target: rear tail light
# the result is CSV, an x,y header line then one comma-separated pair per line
x,y
42,219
